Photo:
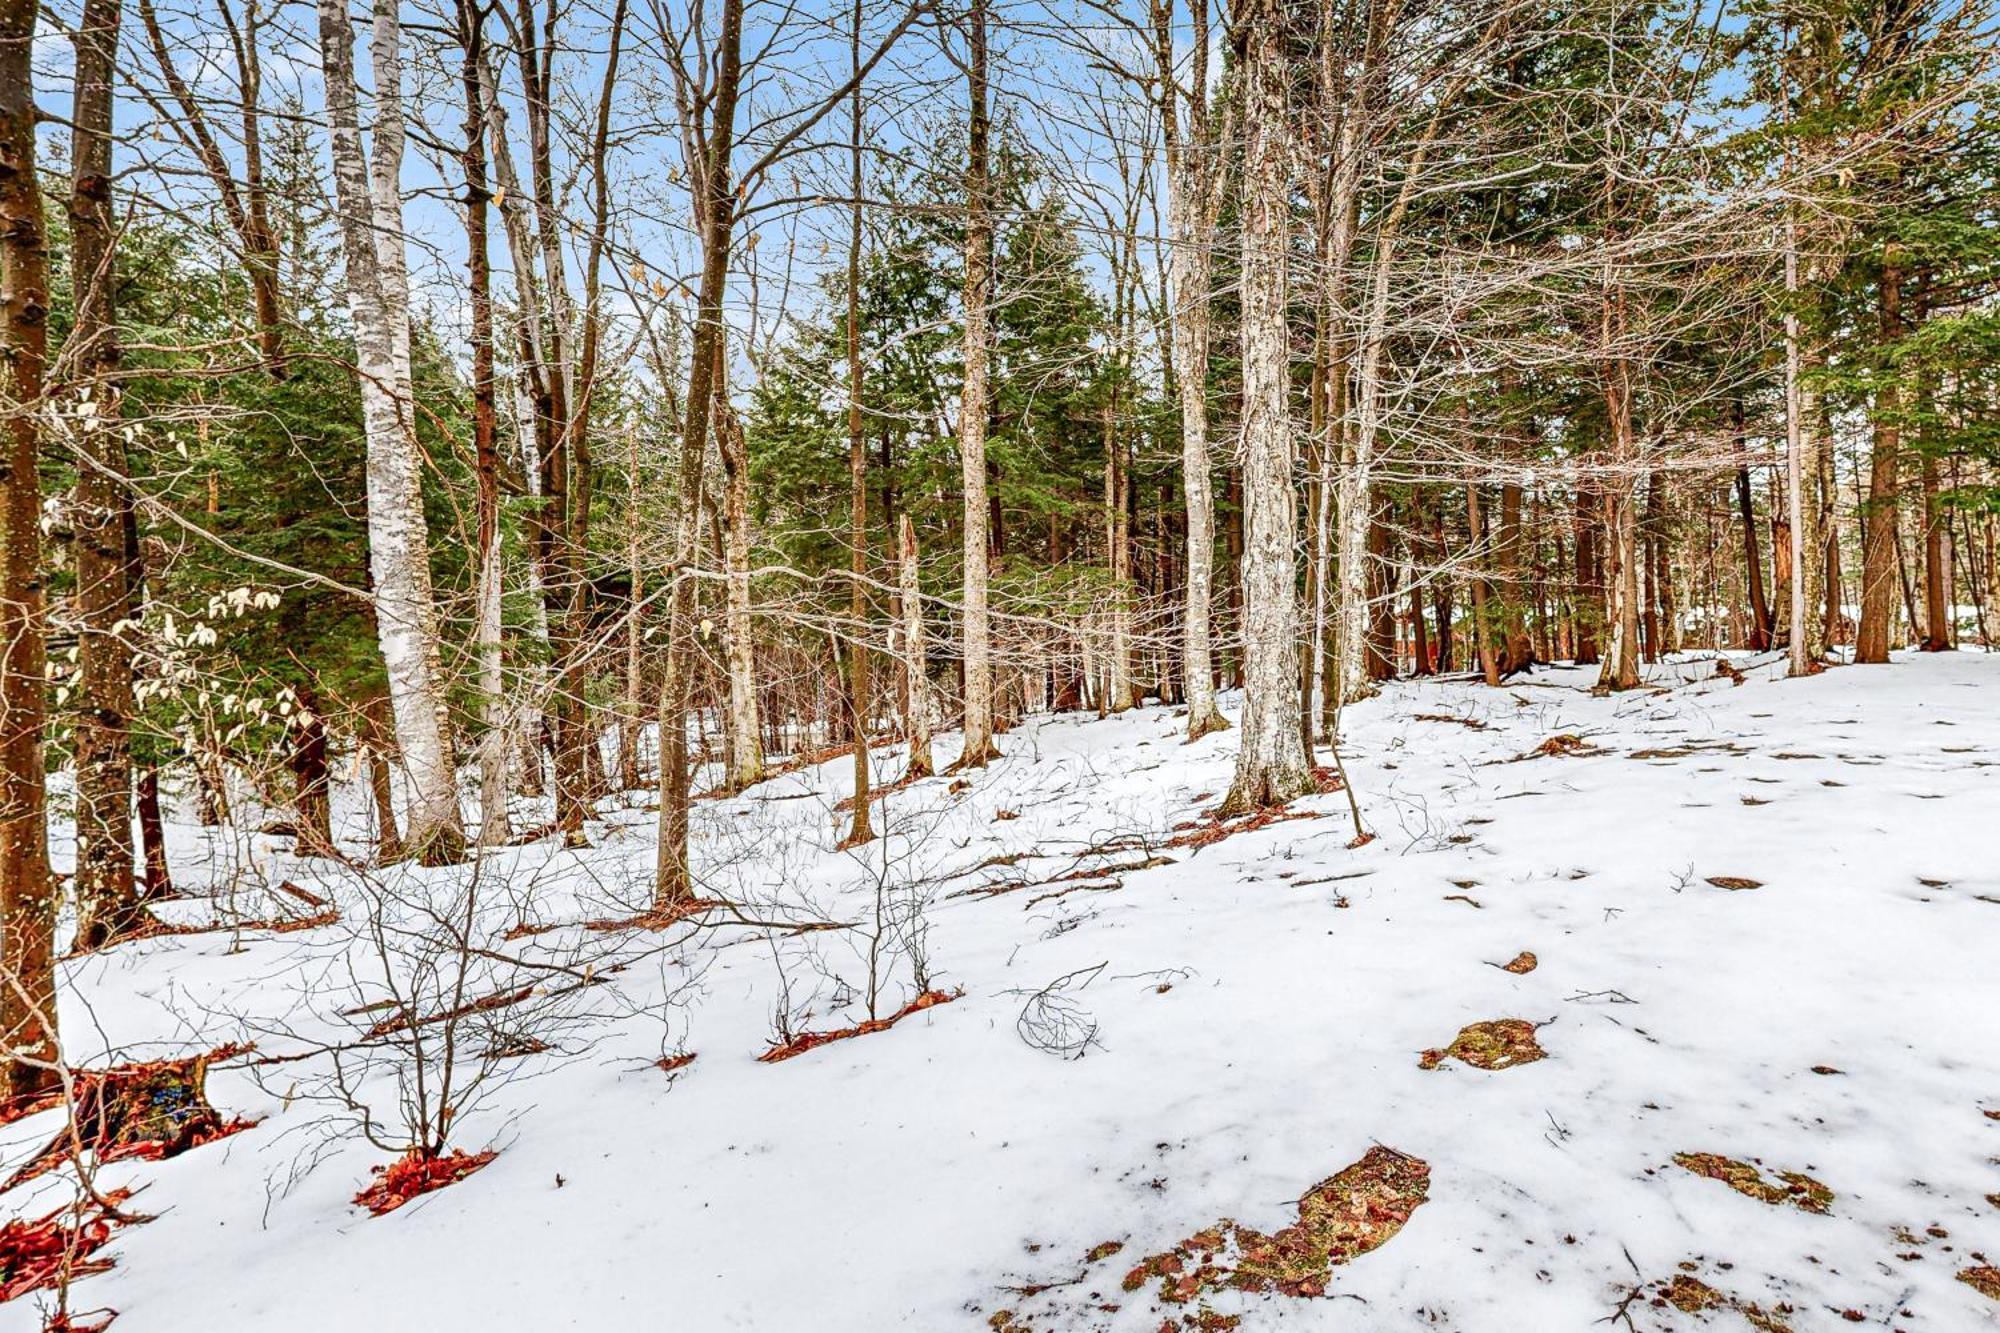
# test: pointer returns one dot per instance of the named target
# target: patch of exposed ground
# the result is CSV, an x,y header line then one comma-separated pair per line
x,y
1793,1187
1341,1218
1499,1043
1690,1295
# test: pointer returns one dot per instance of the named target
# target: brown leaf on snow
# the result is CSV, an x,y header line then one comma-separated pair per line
x,y
1521,964
1735,882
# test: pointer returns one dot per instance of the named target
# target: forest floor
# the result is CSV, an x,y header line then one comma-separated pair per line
x,y
1765,926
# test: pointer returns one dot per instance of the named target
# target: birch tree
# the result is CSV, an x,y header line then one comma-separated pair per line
x,y
370,208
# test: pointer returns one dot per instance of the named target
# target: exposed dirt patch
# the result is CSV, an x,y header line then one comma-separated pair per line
x,y
1341,1218
1561,746
1984,1279
1793,1187
1690,1295
1498,1043
148,1111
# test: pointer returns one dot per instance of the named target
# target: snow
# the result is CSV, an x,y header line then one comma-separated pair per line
x,y
1258,1008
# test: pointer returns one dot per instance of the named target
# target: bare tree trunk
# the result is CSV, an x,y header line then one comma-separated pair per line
x,y
1759,638
398,540
1118,566
1271,763
973,405
1482,614
861,830
918,719
714,217
1879,559
493,825
746,746
1937,598
27,890
377,745
532,412
106,889
632,707
1191,199
1620,670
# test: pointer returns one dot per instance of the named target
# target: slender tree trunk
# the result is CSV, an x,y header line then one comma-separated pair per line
x,y
1879,546
377,745
746,746
861,830
1482,615
494,830
1620,669
398,540
715,203
1937,592
632,710
1759,638
918,719
106,889
312,782
973,405
27,890
1271,763
1191,171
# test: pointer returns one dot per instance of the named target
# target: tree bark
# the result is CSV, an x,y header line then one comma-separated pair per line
x,y
398,540
715,203
1761,626
106,889
1937,598
744,731
861,830
27,890
1878,553
494,829
1271,763
918,718
973,405
1191,207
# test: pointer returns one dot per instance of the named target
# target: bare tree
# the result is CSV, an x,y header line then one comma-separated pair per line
x,y
974,401
106,889
371,206
27,891
1194,175
1271,764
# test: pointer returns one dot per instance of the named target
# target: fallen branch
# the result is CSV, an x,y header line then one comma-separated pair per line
x,y
807,1041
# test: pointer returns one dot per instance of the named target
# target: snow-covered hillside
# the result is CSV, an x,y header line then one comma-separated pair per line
x,y
1765,921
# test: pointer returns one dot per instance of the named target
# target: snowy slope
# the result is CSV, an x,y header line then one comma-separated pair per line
x,y
1255,1025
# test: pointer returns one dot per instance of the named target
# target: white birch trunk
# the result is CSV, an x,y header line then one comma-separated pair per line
x,y
398,541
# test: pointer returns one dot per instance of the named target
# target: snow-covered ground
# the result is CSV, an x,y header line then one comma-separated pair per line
x,y
1140,1053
